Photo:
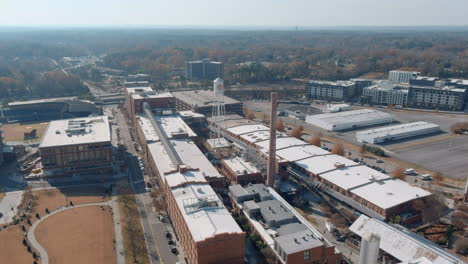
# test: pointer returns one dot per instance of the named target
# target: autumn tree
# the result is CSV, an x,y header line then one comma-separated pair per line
x,y
315,140
363,150
338,149
437,176
296,132
399,173
250,116
280,125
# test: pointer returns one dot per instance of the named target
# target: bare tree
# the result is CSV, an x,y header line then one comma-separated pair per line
x,y
399,173
363,150
437,176
316,140
296,132
338,149
269,255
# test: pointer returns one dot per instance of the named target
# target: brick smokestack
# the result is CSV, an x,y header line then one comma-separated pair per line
x,y
271,170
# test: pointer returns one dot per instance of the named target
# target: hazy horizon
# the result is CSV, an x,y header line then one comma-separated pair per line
x,y
234,14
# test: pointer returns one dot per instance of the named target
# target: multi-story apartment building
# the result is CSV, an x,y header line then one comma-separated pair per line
x,y
204,70
385,93
402,76
360,84
424,81
334,91
77,146
446,98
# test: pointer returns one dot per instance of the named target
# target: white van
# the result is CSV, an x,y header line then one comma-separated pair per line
x,y
409,171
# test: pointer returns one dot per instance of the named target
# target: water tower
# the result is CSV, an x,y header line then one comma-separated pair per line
x,y
218,113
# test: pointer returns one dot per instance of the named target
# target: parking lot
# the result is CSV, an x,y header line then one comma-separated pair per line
x,y
442,152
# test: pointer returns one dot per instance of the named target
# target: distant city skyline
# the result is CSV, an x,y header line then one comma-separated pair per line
x,y
224,13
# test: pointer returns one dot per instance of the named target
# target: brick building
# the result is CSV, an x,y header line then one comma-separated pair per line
x,y
77,146
239,171
202,101
137,96
206,230
291,237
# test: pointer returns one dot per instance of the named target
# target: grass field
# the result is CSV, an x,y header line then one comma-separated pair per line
x,y
15,132
132,232
79,235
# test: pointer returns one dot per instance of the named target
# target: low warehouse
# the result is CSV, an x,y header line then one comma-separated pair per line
x,y
385,134
349,119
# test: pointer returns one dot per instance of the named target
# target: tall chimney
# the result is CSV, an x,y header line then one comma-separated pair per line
x,y
271,171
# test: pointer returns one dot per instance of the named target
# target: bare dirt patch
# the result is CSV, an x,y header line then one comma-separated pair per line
x,y
12,249
79,235
56,198
15,132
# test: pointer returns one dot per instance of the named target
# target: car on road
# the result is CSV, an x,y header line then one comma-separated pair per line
x,y
174,249
379,161
426,177
162,219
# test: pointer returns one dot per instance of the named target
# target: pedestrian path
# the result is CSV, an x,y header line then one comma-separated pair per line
x,y
32,238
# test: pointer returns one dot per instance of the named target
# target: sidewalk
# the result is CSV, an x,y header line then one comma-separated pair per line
x,y
9,206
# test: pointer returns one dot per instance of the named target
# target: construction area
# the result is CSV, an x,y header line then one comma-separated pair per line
x,y
29,132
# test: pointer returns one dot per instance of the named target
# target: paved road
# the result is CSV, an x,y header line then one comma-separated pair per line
x,y
32,238
154,230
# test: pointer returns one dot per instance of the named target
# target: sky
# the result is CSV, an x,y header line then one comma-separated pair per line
x,y
221,13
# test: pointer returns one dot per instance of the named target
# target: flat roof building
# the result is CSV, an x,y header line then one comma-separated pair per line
x,y
448,98
204,70
366,190
137,96
397,76
207,231
349,119
202,102
324,90
385,93
400,245
291,237
77,146
239,171
392,133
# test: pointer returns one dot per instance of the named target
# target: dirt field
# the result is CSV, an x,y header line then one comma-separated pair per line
x,y
15,132
12,249
55,198
79,235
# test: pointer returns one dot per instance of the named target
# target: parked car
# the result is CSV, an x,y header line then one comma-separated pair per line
x,y
379,161
168,234
174,249
426,177
162,219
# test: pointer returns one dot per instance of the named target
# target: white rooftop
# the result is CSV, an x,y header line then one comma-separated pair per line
x,y
245,129
389,193
216,143
402,243
173,125
300,152
241,166
147,128
354,116
76,131
151,94
282,142
396,130
204,213
140,89
350,177
323,163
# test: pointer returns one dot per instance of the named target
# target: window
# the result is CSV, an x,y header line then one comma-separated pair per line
x,y
306,255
